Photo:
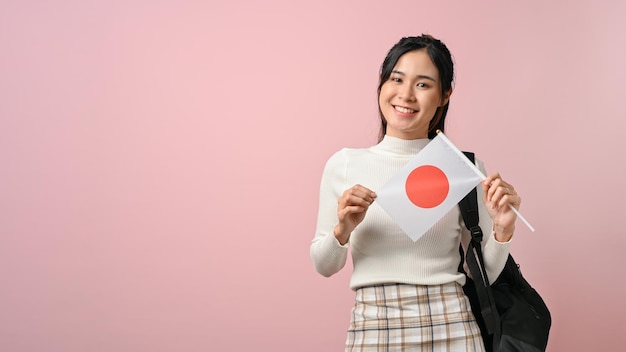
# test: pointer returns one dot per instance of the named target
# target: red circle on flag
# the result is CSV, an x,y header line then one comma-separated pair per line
x,y
427,186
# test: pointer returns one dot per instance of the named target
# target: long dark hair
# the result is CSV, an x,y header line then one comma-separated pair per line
x,y
440,56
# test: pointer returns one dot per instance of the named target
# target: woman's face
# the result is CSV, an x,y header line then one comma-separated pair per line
x,y
411,96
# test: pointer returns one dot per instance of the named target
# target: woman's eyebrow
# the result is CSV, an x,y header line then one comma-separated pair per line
x,y
418,76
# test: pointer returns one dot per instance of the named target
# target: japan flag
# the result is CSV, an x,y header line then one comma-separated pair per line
x,y
428,186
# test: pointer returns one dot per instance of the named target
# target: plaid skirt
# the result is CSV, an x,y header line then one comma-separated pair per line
x,y
400,317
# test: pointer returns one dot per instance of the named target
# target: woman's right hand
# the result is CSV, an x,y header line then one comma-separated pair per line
x,y
351,209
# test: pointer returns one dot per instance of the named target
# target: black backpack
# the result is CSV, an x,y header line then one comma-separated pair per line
x,y
510,313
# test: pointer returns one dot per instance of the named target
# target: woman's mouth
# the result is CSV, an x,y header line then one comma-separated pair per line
x,y
404,110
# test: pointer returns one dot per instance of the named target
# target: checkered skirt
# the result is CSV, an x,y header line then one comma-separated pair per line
x,y
400,317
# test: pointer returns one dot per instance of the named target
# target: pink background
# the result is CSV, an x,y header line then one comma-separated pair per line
x,y
160,162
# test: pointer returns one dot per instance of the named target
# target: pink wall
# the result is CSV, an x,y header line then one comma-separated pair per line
x,y
160,162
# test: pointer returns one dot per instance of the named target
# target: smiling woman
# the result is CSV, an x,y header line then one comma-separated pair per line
x,y
417,72
408,293
411,96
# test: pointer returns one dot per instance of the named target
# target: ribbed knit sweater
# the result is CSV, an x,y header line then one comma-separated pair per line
x,y
381,251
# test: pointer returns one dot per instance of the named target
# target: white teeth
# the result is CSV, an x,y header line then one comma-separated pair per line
x,y
404,110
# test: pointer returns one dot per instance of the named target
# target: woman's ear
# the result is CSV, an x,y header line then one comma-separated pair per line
x,y
446,97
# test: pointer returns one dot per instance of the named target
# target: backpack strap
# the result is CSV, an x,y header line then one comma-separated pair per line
x,y
474,258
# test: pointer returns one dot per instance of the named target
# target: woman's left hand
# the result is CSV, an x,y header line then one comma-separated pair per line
x,y
497,197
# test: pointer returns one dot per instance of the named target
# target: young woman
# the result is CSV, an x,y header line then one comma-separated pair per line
x,y
409,294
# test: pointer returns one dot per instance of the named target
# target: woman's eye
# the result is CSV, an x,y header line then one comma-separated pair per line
x,y
396,79
422,85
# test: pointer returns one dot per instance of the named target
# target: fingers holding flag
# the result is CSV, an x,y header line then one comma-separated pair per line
x,y
351,209
500,197
497,190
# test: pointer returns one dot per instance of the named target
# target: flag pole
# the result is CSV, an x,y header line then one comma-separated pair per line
x,y
480,174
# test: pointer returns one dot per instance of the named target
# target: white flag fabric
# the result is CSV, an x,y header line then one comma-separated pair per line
x,y
428,186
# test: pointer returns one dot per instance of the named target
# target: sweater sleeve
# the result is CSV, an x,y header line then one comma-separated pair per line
x,y
495,253
327,254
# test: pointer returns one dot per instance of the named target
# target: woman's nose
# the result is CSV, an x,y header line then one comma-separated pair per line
x,y
406,92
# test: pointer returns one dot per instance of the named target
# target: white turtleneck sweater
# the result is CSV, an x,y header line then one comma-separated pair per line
x,y
381,251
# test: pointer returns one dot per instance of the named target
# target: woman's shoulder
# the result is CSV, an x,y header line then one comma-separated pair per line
x,y
350,153
346,155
